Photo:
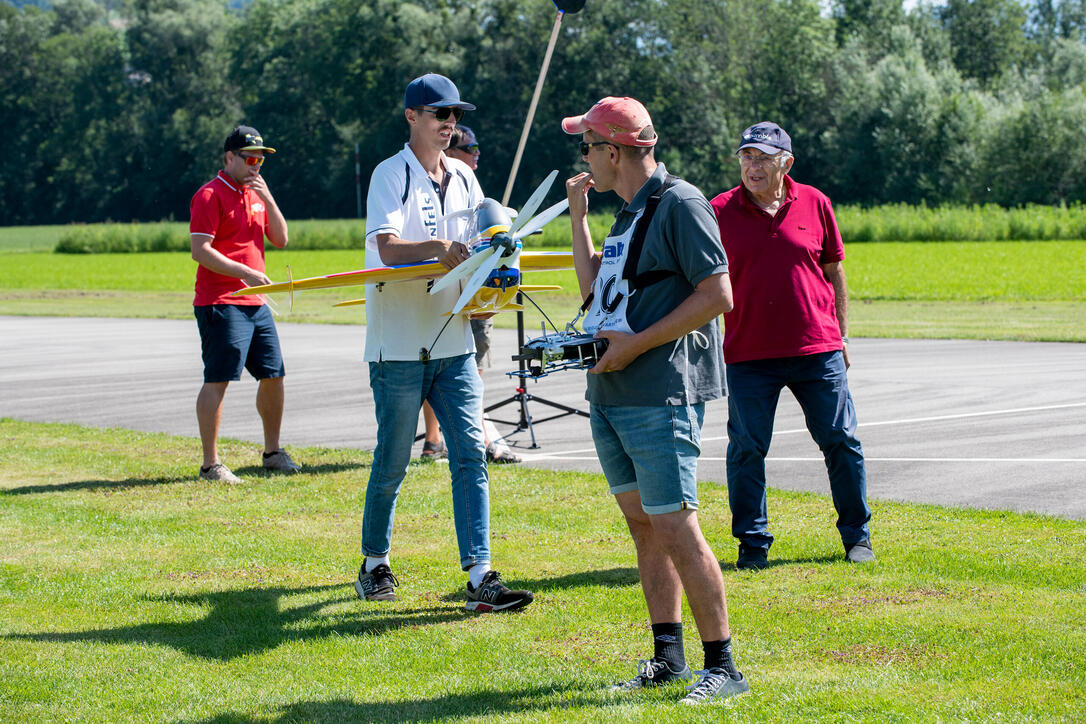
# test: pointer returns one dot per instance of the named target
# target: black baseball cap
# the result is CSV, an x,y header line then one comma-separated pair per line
x,y
245,138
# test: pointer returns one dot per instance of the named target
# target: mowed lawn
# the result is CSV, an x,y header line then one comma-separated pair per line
x,y
974,290
130,591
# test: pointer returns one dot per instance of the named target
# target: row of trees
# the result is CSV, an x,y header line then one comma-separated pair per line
x,y
118,110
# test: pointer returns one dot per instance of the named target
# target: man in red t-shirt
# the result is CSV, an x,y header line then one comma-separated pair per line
x,y
230,216
788,328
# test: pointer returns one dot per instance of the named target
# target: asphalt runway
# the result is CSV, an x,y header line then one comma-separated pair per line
x,y
997,425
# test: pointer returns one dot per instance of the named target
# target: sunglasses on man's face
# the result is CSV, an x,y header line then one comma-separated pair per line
x,y
251,160
472,148
585,147
442,114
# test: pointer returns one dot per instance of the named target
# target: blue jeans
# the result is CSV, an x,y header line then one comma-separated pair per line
x,y
455,392
653,450
819,383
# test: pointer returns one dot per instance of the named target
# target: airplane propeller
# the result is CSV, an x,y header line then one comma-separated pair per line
x,y
504,246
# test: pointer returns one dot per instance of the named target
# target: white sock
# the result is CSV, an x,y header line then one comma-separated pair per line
x,y
476,573
372,562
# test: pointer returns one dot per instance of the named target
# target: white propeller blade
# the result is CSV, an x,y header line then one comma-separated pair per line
x,y
544,218
457,214
462,270
533,202
479,278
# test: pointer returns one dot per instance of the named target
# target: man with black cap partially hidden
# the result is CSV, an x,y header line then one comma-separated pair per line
x,y
417,352
789,328
230,217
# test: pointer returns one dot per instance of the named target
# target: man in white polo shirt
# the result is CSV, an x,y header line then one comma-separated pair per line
x,y
415,352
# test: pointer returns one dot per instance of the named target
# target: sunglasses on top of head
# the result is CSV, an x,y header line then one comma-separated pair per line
x,y
442,114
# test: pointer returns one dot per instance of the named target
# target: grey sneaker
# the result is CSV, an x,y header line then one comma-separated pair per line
x,y
715,685
376,585
492,595
280,461
653,673
219,473
860,552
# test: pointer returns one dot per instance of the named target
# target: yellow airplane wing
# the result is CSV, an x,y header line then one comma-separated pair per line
x,y
545,260
404,273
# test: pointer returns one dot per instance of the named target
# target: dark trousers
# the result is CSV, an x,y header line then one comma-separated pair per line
x,y
820,386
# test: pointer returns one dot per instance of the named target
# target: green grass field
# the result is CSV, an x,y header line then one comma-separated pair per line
x,y
131,592
976,290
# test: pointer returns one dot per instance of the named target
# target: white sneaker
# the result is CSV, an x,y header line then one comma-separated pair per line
x,y
219,473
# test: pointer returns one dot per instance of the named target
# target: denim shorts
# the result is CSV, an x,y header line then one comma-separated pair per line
x,y
653,450
235,337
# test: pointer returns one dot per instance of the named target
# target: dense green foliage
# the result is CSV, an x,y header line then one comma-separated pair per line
x,y
118,110
133,592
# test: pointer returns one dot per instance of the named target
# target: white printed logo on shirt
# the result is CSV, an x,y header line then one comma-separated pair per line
x,y
611,293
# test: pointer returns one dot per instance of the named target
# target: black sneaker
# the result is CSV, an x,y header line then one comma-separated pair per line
x,y
376,585
492,595
653,673
715,685
751,558
860,552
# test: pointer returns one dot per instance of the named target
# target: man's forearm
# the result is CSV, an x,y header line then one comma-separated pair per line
x,y
711,298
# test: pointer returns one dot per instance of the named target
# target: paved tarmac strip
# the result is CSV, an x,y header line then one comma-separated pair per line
x,y
998,425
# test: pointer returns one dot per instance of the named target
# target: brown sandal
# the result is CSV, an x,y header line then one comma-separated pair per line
x,y
494,455
434,451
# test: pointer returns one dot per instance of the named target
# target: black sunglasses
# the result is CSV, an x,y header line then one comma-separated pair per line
x,y
442,114
472,148
586,147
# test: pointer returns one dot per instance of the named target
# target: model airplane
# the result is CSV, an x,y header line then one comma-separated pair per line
x,y
492,270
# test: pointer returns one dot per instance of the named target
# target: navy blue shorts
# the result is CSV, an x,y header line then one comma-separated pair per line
x,y
235,336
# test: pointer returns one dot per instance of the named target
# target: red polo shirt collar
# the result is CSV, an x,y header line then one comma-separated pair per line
x,y
746,200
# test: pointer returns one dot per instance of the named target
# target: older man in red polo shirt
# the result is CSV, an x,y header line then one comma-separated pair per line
x,y
788,328
230,216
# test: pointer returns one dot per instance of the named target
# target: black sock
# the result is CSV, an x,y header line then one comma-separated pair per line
x,y
718,655
667,644
268,455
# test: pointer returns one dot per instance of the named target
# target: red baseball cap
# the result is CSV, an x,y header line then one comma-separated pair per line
x,y
617,119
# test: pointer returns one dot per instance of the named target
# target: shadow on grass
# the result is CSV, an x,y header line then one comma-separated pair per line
x,y
440,708
257,471
254,620
728,566
106,485
608,578
252,472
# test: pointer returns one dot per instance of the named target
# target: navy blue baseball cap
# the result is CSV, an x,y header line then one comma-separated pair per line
x,y
766,137
434,90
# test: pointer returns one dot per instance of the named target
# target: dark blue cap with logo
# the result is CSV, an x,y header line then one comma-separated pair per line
x,y
766,137
434,90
